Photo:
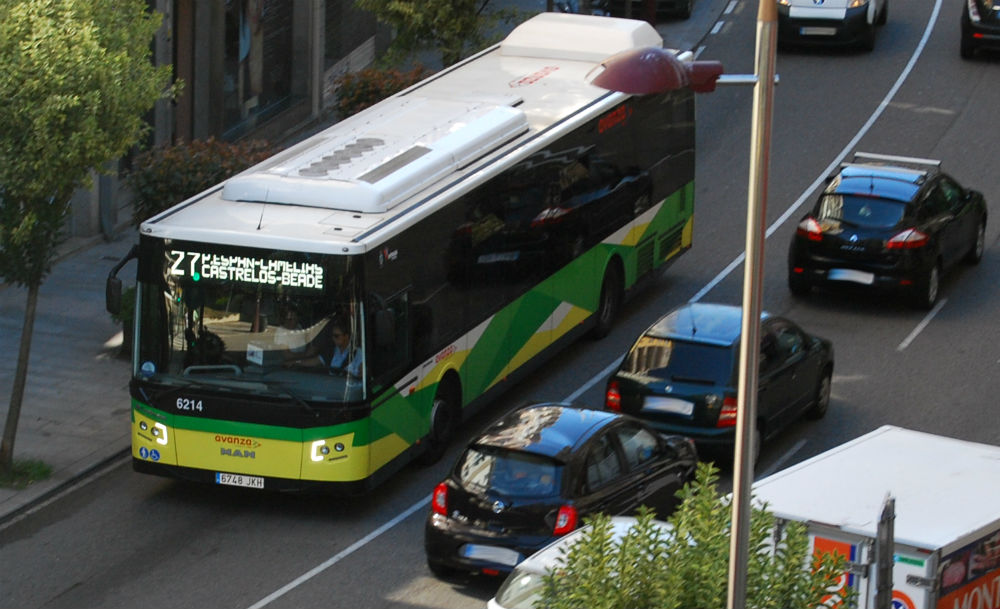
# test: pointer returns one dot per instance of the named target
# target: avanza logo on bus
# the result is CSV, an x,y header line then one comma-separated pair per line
x,y
236,441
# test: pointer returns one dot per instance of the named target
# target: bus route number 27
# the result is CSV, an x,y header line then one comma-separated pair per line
x,y
189,404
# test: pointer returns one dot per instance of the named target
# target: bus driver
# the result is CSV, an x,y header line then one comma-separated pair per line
x,y
343,357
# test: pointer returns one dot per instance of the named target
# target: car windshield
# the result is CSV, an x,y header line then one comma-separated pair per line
x,y
868,212
510,473
680,361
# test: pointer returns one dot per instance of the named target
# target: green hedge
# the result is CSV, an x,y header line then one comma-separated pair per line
x,y
166,175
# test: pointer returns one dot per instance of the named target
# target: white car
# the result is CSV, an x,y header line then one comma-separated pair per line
x,y
843,22
523,586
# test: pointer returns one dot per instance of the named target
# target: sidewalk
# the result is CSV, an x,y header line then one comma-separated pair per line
x,y
75,412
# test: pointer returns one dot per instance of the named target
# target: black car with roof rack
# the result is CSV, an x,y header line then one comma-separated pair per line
x,y
887,222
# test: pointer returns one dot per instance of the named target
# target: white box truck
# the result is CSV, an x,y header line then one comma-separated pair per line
x,y
946,543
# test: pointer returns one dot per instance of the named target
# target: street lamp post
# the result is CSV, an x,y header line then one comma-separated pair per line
x,y
656,70
753,273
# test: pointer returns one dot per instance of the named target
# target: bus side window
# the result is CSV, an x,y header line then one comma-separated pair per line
x,y
389,344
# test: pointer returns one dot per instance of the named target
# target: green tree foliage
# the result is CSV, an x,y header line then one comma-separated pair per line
x,y
166,175
452,27
685,565
75,81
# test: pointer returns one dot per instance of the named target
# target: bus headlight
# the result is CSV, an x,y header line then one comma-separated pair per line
x,y
319,450
160,433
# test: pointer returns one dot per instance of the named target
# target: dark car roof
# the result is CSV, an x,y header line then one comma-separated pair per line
x,y
715,324
550,430
899,183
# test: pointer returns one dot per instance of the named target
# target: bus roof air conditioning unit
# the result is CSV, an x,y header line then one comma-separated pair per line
x,y
374,169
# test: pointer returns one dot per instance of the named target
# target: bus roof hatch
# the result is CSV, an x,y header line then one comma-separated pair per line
x,y
578,37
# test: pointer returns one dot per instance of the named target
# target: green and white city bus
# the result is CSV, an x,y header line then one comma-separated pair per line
x,y
449,237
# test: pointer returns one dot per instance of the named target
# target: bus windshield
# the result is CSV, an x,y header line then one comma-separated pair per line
x,y
248,320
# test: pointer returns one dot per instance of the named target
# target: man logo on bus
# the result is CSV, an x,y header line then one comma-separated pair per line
x,y
235,452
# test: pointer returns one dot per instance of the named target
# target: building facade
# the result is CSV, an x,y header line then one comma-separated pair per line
x,y
259,69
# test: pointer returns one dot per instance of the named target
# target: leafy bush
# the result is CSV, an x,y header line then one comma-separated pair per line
x,y
167,175
359,90
687,567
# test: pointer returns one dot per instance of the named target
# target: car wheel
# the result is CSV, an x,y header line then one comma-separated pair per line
x,y
868,39
684,12
755,455
884,15
927,289
610,301
441,570
798,286
968,48
444,420
821,400
976,253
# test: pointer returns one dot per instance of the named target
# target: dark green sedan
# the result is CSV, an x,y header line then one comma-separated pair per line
x,y
681,376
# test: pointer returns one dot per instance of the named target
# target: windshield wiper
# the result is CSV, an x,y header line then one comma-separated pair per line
x,y
283,390
172,390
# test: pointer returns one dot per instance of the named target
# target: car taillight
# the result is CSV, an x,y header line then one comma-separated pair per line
x,y
727,416
810,229
565,520
439,500
613,398
909,239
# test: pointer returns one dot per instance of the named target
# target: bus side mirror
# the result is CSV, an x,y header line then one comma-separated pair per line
x,y
113,295
385,328
113,287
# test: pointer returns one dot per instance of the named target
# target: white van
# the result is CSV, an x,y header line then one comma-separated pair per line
x,y
843,22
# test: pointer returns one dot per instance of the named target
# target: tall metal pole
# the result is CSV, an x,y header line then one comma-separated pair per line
x,y
753,272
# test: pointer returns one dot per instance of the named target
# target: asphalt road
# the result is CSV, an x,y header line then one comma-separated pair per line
x,y
125,539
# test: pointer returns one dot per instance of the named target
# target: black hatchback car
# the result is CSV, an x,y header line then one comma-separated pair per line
x,y
681,376
887,222
980,26
535,473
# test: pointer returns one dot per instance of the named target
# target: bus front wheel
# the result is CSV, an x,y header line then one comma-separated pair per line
x,y
610,301
444,420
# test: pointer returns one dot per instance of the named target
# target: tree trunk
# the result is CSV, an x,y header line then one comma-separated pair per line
x,y
20,380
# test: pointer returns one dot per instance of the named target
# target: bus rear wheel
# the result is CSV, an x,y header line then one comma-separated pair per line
x,y
610,301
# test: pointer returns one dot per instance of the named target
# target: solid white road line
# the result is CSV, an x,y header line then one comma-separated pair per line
x,y
923,324
351,549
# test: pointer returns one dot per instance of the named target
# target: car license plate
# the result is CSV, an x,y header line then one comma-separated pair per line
x,y
818,31
851,275
670,405
501,257
494,554
239,480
